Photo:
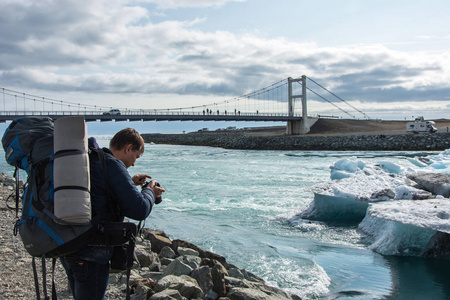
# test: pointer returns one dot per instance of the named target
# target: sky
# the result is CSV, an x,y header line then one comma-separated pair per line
x,y
389,59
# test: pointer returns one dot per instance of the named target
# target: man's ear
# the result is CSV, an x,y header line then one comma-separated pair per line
x,y
128,148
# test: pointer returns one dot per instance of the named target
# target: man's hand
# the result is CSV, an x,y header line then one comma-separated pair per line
x,y
139,179
157,190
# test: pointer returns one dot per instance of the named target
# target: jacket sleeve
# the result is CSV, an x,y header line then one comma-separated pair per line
x,y
133,203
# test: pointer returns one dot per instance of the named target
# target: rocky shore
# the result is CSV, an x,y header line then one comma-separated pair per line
x,y
166,269
370,142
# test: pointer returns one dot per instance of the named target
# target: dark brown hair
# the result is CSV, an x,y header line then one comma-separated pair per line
x,y
127,136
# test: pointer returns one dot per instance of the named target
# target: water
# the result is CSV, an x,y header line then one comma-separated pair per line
x,y
240,204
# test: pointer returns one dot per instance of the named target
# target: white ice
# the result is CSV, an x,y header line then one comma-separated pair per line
x,y
431,214
400,225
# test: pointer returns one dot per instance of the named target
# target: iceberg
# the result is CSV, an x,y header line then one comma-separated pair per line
x,y
409,227
348,197
431,214
404,211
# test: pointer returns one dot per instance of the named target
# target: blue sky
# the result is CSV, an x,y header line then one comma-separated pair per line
x,y
390,59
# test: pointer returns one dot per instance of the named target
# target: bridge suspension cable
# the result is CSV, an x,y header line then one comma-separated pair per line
x,y
363,113
270,100
323,98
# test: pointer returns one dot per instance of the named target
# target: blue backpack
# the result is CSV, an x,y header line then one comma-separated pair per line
x,y
28,144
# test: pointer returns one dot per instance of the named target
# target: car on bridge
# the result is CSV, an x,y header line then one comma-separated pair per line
x,y
112,112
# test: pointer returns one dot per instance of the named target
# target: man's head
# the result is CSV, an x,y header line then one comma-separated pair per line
x,y
127,145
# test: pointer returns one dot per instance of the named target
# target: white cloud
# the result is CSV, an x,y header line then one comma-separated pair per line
x,y
173,4
112,47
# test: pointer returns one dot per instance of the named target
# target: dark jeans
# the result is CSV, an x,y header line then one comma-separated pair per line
x,y
87,280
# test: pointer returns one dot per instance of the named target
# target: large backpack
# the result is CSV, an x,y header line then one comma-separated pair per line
x,y
29,145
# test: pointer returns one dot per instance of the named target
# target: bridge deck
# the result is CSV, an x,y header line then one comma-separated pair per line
x,y
165,117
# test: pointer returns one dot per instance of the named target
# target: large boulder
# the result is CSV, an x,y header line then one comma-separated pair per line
x,y
157,238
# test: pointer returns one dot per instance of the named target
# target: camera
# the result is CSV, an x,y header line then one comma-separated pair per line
x,y
148,182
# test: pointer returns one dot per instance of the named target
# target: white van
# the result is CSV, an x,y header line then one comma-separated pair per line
x,y
420,125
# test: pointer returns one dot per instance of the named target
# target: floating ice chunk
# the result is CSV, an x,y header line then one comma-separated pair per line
x,y
406,227
396,238
344,168
440,162
333,208
349,165
361,187
390,167
439,165
417,162
429,214
337,174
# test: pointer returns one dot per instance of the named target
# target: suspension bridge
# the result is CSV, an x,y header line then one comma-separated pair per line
x,y
283,101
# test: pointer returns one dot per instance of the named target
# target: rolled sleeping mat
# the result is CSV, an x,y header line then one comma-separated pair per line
x,y
71,176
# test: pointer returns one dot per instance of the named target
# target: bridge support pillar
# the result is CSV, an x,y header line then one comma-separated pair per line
x,y
300,127
304,125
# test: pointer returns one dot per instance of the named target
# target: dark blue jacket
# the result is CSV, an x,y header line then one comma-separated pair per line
x,y
132,202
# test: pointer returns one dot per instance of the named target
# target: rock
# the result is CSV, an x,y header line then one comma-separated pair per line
x,y
212,263
150,283
177,268
249,294
218,279
187,251
204,278
167,295
236,273
202,253
157,238
141,293
156,276
166,261
167,252
144,257
185,285
192,261
235,282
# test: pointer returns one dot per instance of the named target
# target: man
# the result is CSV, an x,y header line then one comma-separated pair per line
x,y
88,269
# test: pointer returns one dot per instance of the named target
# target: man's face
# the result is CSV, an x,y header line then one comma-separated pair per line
x,y
130,156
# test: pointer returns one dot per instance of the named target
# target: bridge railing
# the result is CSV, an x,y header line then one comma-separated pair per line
x,y
135,113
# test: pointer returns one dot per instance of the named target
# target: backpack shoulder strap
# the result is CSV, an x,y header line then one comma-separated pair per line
x,y
113,206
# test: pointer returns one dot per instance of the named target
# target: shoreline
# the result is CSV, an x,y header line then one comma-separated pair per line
x,y
167,269
325,134
365,142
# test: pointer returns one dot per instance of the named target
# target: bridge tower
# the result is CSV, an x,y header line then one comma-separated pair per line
x,y
304,125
